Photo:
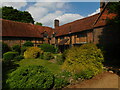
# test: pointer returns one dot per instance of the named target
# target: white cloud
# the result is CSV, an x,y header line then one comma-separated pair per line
x,y
16,5
97,11
66,18
46,12
37,12
50,5
49,18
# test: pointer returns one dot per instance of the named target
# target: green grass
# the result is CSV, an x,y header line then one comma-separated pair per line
x,y
49,65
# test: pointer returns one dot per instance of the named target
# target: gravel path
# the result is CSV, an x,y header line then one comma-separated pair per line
x,y
104,80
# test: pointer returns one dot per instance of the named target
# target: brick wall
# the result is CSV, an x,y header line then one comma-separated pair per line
x,y
14,40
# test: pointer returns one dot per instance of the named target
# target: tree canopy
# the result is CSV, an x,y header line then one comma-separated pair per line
x,y
114,7
10,13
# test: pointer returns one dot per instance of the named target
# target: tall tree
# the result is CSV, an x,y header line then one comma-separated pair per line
x,y
10,13
110,36
114,7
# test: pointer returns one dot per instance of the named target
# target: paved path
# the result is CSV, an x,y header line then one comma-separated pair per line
x,y
104,80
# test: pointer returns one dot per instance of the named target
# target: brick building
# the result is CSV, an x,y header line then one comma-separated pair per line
x,y
86,30
18,33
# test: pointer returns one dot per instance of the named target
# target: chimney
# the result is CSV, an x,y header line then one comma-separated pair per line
x,y
56,23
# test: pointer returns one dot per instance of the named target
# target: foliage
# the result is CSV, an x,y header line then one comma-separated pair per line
x,y
48,48
16,48
47,55
85,74
60,82
88,56
59,58
41,56
23,49
37,23
114,7
30,77
5,48
32,52
10,13
54,68
28,44
18,58
61,79
8,56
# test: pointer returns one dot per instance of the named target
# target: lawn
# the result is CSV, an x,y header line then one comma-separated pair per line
x,y
55,68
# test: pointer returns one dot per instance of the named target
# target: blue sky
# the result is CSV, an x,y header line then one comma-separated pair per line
x,y
84,8
46,12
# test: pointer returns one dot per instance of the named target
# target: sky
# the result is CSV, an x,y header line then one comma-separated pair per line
x,y
65,12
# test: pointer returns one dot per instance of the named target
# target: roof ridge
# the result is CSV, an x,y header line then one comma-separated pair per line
x,y
80,19
24,23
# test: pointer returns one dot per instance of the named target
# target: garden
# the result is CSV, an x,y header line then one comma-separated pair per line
x,y
43,67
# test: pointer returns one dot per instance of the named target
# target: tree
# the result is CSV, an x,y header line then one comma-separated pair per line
x,y
37,23
10,13
114,7
109,39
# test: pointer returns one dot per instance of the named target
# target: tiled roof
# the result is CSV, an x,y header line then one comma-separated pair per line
x,y
19,29
77,26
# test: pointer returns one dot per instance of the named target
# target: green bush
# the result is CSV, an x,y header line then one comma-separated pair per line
x,y
16,48
47,55
48,48
59,58
5,48
41,56
30,77
18,58
8,56
85,57
62,79
28,44
85,74
32,52
23,49
60,82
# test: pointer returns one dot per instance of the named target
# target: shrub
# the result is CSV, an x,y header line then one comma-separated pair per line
x,y
16,48
23,49
5,48
28,44
85,74
18,58
88,56
32,52
60,82
62,79
48,48
8,56
30,77
59,58
47,55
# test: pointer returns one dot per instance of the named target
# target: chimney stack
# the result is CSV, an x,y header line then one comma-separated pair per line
x,y
56,23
